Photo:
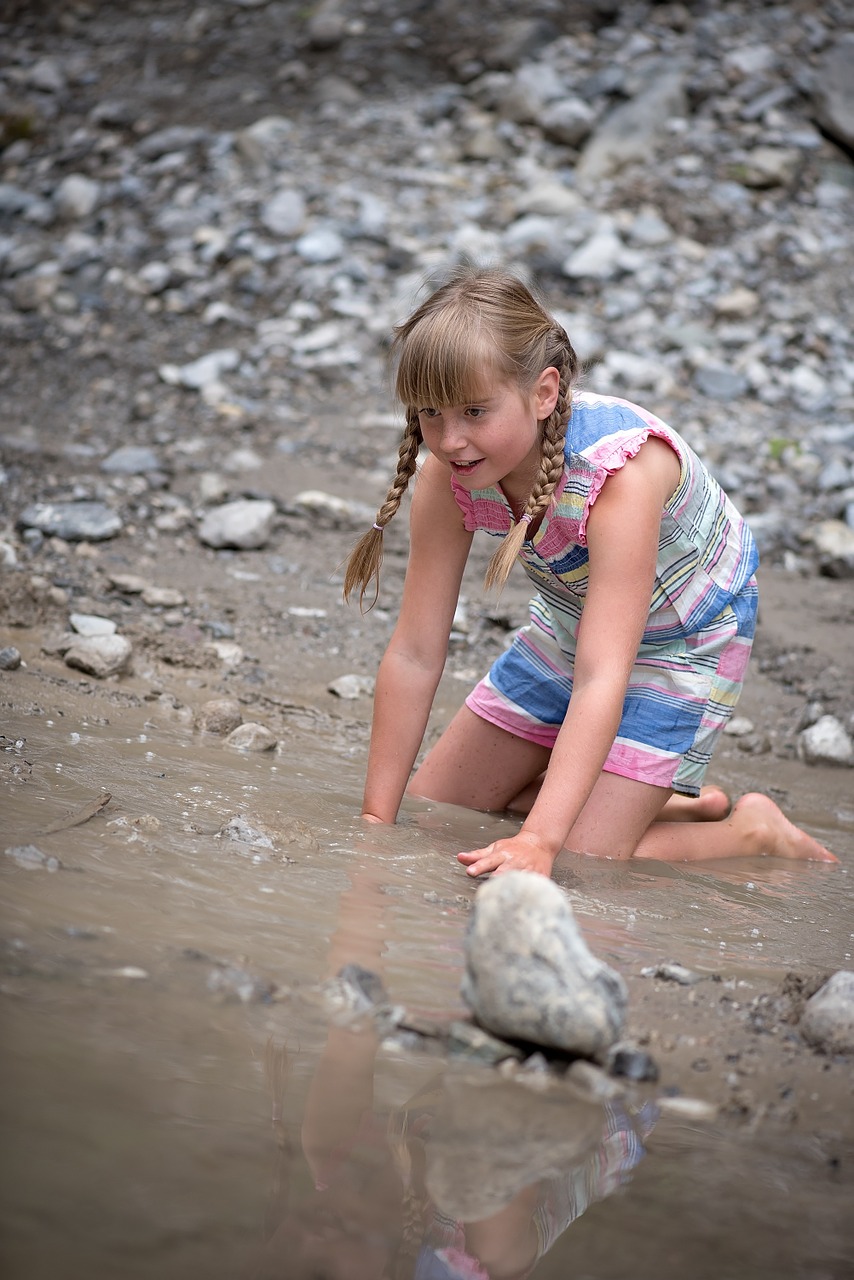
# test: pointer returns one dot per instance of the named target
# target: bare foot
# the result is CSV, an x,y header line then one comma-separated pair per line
x,y
710,805
765,829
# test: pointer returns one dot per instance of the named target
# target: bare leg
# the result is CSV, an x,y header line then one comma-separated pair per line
x,y
755,827
482,767
710,805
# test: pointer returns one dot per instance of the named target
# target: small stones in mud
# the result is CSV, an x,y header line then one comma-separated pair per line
x,y
220,716
352,686
826,742
828,1018
357,995
671,971
100,656
10,658
245,831
31,858
465,1040
230,982
252,737
529,974
72,521
245,524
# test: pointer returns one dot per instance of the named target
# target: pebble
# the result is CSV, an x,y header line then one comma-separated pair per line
x,y
100,655
245,524
826,742
529,974
10,658
251,737
131,460
351,687
31,858
827,1021
72,521
220,716
89,624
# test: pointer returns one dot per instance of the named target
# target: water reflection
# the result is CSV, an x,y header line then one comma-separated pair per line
x,y
473,1177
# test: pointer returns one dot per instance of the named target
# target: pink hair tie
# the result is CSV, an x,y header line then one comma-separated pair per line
x,y
526,518
378,526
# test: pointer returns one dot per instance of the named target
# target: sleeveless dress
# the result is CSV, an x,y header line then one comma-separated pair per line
x,y
694,652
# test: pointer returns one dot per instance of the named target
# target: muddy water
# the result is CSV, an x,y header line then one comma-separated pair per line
x,y
176,1102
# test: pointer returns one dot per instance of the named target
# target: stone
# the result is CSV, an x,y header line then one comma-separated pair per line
x,y
834,542
827,1021
31,858
568,121
833,95
76,196
243,830
342,512
284,212
202,372
10,658
163,597
529,974
245,524
826,742
100,656
719,382
220,716
90,624
323,244
351,687
770,167
72,521
131,460
630,132
598,258
252,737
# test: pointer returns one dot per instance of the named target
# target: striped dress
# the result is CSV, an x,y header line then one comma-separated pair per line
x,y
695,648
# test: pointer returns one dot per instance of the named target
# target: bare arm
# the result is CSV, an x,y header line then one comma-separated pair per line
x,y
415,658
623,533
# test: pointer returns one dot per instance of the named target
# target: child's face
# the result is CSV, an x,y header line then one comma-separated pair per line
x,y
495,439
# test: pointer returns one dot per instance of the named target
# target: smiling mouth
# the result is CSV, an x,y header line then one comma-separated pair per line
x,y
465,468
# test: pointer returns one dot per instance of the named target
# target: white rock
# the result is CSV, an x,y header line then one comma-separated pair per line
x,y
251,737
323,244
352,686
284,212
100,656
90,624
598,258
246,524
76,196
828,1017
199,373
826,742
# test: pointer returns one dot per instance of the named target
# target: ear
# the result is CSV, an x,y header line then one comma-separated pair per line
x,y
545,392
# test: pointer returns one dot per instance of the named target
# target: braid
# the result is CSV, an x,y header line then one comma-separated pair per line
x,y
363,565
551,468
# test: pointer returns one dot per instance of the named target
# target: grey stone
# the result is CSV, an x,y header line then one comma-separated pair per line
x,y
202,372
598,258
242,830
529,974
72,521
90,624
76,196
719,382
826,742
631,130
284,212
100,656
165,141
245,524
10,658
220,716
31,858
351,687
323,244
252,737
163,597
834,91
230,982
834,542
568,121
828,1018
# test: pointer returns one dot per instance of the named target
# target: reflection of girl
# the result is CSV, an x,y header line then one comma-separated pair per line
x,y
369,1215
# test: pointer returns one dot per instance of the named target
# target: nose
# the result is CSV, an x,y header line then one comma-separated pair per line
x,y
452,435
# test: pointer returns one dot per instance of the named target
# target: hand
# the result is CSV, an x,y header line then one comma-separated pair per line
x,y
522,852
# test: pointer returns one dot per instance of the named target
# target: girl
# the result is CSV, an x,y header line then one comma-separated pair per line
x,y
609,701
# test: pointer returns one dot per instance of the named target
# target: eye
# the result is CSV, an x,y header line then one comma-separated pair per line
x,y
428,413
475,411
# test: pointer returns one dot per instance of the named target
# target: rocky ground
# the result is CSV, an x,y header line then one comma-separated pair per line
x,y
211,217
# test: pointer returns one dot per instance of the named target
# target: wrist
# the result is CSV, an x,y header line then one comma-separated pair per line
x,y
547,843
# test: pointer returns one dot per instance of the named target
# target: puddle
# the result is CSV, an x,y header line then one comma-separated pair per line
x,y
155,1124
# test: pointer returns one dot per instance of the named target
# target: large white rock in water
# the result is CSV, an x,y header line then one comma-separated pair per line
x,y
828,1018
246,524
530,975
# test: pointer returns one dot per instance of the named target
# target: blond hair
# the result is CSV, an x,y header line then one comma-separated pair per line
x,y
482,323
